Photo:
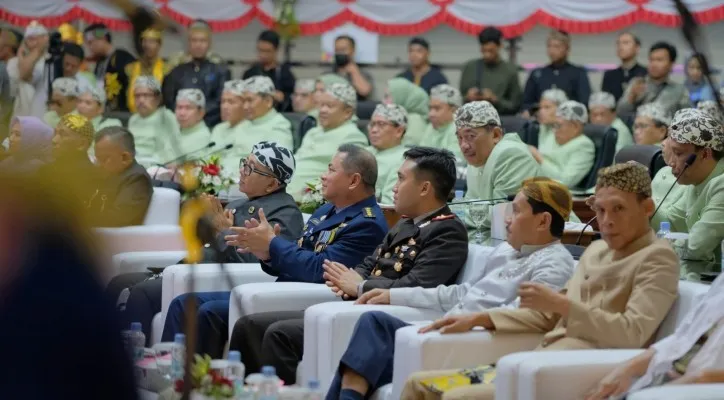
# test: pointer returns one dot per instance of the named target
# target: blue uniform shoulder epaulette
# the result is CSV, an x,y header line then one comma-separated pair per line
x,y
368,212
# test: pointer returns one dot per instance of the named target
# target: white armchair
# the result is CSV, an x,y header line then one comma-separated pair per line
x,y
141,261
160,231
537,375
681,392
207,278
333,323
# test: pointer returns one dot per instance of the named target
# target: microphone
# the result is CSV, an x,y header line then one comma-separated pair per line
x,y
186,155
689,160
507,198
580,235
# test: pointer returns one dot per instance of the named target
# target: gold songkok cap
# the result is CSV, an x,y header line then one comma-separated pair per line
x,y
78,124
630,177
551,193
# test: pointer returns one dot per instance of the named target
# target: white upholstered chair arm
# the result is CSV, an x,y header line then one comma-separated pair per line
x,y
681,392
415,352
541,374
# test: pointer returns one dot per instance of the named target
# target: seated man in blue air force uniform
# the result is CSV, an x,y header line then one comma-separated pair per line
x,y
532,254
345,230
426,248
263,177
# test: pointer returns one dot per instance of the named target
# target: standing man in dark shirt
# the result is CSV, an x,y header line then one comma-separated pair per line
x,y
200,73
627,50
420,72
267,46
346,67
490,78
559,74
110,66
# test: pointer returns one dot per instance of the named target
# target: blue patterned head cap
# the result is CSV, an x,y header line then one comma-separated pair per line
x,y
277,158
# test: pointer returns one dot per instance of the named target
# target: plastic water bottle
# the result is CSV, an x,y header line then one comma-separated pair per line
x,y
134,341
269,386
235,372
178,356
313,391
458,209
664,229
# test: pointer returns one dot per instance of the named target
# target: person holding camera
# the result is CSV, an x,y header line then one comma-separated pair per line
x,y
26,71
345,66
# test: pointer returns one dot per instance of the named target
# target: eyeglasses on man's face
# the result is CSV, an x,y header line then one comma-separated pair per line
x,y
247,169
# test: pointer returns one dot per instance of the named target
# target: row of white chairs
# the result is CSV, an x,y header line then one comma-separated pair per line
x,y
329,323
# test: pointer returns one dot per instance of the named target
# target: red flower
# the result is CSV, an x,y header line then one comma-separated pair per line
x,y
211,169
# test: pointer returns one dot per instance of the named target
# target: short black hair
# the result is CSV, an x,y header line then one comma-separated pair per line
x,y
665,46
557,222
634,37
357,160
419,41
437,166
99,31
72,49
120,135
270,37
490,34
348,38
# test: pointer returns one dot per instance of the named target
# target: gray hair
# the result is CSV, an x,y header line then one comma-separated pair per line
x,y
120,135
360,161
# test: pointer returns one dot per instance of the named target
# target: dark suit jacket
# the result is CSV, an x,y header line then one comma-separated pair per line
x,y
426,254
616,80
205,75
346,237
283,79
279,208
123,200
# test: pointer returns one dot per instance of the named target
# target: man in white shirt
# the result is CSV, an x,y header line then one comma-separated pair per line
x,y
29,85
532,253
693,354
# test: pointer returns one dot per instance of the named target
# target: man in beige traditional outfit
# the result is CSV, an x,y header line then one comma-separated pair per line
x,y
619,294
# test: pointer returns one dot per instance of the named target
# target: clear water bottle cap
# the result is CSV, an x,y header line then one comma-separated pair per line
x,y
459,194
179,338
313,384
234,356
136,326
268,371
665,226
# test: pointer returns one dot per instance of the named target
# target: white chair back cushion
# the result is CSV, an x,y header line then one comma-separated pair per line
x,y
688,292
497,221
164,208
474,263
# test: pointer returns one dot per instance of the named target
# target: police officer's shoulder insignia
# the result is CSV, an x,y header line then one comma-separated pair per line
x,y
368,212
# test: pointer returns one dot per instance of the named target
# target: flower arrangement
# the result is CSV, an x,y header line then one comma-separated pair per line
x,y
206,381
211,176
312,198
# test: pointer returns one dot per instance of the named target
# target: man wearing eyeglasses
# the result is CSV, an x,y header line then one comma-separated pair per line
x,y
386,130
699,210
264,176
497,162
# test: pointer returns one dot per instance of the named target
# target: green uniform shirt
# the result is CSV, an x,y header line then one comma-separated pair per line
x,y
100,122
388,163
442,138
509,164
152,134
568,163
625,138
317,149
700,212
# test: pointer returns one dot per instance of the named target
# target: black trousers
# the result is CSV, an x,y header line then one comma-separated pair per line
x,y
143,303
275,339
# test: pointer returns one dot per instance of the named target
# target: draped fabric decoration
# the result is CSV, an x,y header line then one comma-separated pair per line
x,y
386,17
